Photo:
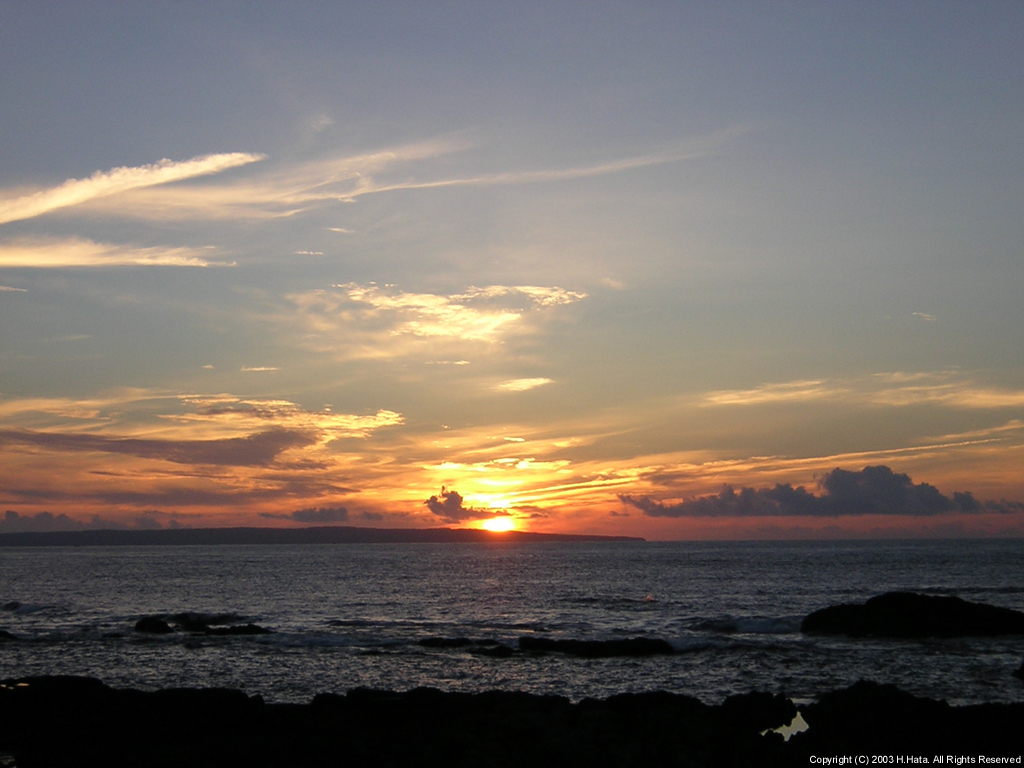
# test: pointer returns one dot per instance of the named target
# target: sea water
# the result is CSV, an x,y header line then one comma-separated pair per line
x,y
349,615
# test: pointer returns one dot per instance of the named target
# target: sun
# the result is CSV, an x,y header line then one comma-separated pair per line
x,y
499,524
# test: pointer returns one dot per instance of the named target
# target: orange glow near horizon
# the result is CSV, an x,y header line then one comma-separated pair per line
x,y
499,524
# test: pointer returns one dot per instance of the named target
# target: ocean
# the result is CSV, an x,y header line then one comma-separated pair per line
x,y
348,615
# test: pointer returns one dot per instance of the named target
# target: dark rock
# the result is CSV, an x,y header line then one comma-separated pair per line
x,y
594,649
13,605
911,615
869,718
759,711
5,635
1020,671
53,722
444,642
153,625
48,722
203,619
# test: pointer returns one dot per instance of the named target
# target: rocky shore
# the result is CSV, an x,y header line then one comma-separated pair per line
x,y
72,721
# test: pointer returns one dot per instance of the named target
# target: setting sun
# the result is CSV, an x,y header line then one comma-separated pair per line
x,y
498,524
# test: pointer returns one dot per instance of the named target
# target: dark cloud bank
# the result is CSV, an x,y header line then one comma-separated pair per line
x,y
260,449
315,515
12,522
871,491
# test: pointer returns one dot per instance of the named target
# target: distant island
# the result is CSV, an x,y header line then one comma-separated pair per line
x,y
314,535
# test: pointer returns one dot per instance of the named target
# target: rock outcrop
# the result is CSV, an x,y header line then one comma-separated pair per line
x,y
153,625
911,615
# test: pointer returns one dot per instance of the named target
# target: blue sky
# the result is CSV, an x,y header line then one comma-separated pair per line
x,y
260,258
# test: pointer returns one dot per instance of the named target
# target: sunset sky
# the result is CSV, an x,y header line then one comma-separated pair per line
x,y
577,264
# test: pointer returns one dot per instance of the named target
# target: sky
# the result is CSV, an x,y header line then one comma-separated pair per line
x,y
705,270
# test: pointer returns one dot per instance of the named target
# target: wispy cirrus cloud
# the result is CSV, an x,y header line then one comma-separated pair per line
x,y
951,389
786,392
73,252
105,183
286,191
531,177
281,191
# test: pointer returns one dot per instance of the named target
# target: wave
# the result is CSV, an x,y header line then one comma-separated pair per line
x,y
774,625
1003,590
22,609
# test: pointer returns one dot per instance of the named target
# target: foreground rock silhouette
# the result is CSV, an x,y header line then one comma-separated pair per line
x,y
868,718
69,721
911,615
46,722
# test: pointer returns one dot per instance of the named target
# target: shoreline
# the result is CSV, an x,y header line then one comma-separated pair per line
x,y
328,534
63,721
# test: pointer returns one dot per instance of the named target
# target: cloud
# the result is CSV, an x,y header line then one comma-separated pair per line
x,y
74,252
787,392
45,522
12,522
873,490
321,515
925,316
16,290
428,314
541,176
291,190
84,408
259,449
376,321
521,385
951,389
258,368
278,192
317,515
541,296
103,184
449,507
246,414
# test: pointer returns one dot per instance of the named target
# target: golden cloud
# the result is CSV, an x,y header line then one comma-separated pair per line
x,y
105,183
73,252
